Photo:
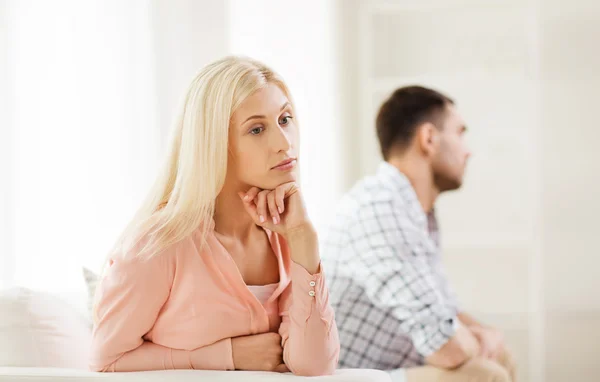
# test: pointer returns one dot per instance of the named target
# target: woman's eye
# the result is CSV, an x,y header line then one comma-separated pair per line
x,y
286,120
256,130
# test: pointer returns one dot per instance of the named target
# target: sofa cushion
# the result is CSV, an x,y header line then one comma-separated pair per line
x,y
91,282
38,329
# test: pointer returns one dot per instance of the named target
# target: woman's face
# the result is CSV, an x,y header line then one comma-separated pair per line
x,y
263,141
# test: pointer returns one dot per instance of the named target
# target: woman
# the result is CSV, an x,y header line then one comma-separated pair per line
x,y
220,267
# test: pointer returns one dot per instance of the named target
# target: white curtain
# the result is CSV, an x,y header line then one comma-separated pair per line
x,y
5,153
80,134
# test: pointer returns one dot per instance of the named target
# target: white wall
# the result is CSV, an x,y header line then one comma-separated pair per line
x,y
82,127
520,237
570,58
187,34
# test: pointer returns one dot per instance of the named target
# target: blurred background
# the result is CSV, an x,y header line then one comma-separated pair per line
x,y
88,89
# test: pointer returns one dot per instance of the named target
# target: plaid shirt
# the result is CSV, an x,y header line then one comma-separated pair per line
x,y
392,301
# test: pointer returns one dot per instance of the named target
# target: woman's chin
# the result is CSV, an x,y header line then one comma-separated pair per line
x,y
287,177
275,181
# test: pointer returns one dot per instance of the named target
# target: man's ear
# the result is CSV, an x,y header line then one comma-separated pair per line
x,y
427,138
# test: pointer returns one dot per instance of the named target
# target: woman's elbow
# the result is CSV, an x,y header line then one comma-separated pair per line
x,y
100,368
312,371
314,368
103,364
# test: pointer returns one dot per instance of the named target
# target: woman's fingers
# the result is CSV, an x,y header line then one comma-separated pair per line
x,y
266,206
251,194
261,206
273,207
250,207
279,197
289,189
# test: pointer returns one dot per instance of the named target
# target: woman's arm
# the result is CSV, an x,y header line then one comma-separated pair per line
x,y
308,332
131,295
150,356
309,335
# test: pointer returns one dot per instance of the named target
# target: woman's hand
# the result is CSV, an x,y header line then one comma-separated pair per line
x,y
259,352
280,210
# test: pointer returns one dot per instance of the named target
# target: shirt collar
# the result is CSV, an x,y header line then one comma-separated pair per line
x,y
390,175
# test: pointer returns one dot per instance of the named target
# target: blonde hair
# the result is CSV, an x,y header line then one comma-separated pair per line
x,y
183,196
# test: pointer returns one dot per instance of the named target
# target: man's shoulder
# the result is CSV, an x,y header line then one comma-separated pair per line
x,y
370,202
370,196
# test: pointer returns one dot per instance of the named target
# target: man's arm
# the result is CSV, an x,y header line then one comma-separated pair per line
x,y
491,340
458,350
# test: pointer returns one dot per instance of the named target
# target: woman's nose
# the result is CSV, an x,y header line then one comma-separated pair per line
x,y
282,140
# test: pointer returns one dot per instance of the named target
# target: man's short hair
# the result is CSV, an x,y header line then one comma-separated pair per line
x,y
406,109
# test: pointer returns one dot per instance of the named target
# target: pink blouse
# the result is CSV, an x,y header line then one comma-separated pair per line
x,y
181,308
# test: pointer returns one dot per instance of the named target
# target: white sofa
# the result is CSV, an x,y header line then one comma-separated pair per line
x,y
46,374
43,338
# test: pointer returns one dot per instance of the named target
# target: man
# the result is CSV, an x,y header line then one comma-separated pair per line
x,y
394,307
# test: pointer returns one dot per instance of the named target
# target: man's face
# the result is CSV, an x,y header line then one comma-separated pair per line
x,y
450,160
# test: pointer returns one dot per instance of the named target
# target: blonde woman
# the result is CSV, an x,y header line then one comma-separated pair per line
x,y
220,267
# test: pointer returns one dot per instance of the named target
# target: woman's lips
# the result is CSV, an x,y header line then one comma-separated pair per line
x,y
286,165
